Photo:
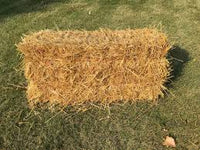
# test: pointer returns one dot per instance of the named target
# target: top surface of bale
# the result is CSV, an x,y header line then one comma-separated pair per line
x,y
113,42
73,67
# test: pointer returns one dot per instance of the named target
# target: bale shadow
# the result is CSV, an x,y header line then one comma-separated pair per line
x,y
177,58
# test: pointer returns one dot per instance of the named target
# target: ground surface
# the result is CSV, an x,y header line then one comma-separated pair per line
x,y
130,126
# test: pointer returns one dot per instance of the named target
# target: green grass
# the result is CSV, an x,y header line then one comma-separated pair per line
x,y
131,126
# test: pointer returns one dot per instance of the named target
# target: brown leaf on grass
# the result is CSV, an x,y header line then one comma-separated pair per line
x,y
169,142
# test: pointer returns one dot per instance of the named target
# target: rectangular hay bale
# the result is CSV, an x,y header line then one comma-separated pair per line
x,y
104,66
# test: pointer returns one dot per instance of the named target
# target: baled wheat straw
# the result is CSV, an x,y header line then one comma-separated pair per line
x,y
104,66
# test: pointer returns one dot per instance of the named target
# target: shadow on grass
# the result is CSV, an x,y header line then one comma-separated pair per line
x,y
12,7
177,57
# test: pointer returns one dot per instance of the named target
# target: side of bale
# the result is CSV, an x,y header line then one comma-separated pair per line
x,y
104,66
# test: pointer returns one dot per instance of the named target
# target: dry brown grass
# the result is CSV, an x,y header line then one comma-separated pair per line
x,y
104,66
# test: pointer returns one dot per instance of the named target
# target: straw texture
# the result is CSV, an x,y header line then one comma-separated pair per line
x,y
104,66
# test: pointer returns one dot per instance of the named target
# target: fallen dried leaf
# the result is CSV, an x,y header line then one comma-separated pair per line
x,y
169,141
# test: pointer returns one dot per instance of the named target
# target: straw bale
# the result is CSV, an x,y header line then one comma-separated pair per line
x,y
104,66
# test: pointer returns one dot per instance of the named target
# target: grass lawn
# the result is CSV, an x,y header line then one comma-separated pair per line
x,y
141,125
